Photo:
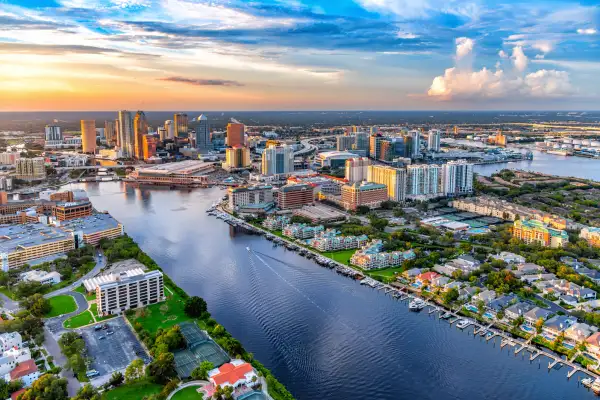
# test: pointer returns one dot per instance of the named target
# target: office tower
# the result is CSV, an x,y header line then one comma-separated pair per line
x,y
278,160
53,133
162,132
30,168
345,143
181,125
149,146
117,135
361,141
88,136
109,132
126,134
393,178
235,134
415,137
373,130
140,128
458,178
237,157
375,146
357,169
424,181
202,128
170,127
367,194
433,140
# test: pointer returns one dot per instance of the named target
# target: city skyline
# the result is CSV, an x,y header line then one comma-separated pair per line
x,y
76,55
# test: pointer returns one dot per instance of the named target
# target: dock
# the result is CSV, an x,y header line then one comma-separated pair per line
x,y
534,356
555,361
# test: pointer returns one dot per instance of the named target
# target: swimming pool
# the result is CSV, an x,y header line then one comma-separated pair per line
x,y
488,315
472,308
252,396
416,284
527,328
568,346
478,231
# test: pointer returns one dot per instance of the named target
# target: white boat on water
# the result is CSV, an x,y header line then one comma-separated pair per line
x,y
587,382
463,323
596,387
416,305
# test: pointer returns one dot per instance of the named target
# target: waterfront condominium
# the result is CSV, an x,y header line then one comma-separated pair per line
x,y
88,136
202,129
130,289
30,168
278,160
297,195
357,169
237,158
170,128
393,178
149,146
126,133
140,128
235,134
457,178
260,196
433,140
181,125
424,181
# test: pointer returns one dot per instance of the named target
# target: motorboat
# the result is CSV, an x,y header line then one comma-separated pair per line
x,y
463,323
596,387
414,305
446,315
587,382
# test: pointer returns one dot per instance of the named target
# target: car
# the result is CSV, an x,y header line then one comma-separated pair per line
x,y
102,337
110,332
97,327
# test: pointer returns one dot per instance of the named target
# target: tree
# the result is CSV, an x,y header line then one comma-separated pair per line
x,y
201,371
37,305
450,296
195,306
87,392
538,325
134,371
47,387
168,388
116,379
162,369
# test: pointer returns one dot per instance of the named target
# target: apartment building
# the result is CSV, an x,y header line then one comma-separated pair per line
x,y
357,169
457,178
367,194
591,235
130,289
259,195
371,256
31,168
536,232
393,178
302,231
424,181
293,196
331,240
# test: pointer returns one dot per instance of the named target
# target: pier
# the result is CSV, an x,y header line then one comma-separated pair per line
x,y
552,363
534,356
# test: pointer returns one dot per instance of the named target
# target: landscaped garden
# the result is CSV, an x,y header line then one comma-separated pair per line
x,y
133,391
161,315
188,393
60,305
79,320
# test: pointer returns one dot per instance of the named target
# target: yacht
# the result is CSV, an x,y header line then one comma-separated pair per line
x,y
446,315
596,387
463,323
587,382
416,305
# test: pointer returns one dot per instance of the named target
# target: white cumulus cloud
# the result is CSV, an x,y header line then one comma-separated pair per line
x,y
464,47
588,31
519,58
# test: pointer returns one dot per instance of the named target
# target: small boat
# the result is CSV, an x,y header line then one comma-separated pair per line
x,y
446,315
248,248
414,305
596,387
463,323
483,332
587,382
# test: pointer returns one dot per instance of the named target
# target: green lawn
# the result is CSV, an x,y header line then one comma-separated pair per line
x,y
60,305
88,297
189,393
162,315
341,256
79,320
132,391
4,290
94,310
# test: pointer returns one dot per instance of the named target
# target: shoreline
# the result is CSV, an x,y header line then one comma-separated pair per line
x,y
402,292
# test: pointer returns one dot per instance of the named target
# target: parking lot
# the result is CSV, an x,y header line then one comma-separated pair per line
x,y
111,349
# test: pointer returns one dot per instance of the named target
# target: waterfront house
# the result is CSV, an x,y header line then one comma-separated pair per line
x,y
579,332
509,258
412,273
235,373
502,302
486,296
27,372
370,256
444,269
426,277
517,310
592,344
533,315
557,324
466,293
466,263
440,281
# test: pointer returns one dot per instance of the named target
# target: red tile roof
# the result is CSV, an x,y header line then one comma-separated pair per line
x,y
229,373
16,394
427,276
23,369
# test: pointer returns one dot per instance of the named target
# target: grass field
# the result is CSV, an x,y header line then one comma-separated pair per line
x,y
60,305
88,297
79,320
163,315
133,391
341,256
94,310
189,393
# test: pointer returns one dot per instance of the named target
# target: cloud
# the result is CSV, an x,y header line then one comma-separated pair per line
x,y
519,58
544,46
410,9
588,31
464,47
502,54
201,82
460,83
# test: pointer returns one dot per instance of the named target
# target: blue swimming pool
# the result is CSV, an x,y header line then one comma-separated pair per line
x,y
252,396
472,308
416,285
527,328
568,346
488,315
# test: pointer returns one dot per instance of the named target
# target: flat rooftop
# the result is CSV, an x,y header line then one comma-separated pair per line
x,y
187,167
91,224
16,237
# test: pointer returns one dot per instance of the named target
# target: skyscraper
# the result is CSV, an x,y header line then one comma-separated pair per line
x,y
237,157
362,141
433,140
357,169
140,128
126,133
202,128
181,125
88,136
109,133
345,142
393,178
162,132
457,178
415,143
170,127
375,146
117,135
235,134
149,146
53,133
278,160
424,181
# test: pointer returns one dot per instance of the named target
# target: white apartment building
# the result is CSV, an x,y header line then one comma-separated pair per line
x,y
31,168
53,133
277,160
458,178
130,289
424,181
357,169
10,340
9,158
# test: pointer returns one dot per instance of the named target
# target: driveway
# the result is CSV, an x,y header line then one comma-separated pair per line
x,y
100,263
9,304
55,325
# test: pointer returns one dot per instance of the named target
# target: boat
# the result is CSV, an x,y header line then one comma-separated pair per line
x,y
413,306
587,382
446,315
248,248
463,323
483,332
596,387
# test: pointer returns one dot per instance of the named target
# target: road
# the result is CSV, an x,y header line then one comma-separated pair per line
x,y
100,264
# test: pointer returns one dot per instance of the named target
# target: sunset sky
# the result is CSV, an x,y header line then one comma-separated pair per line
x,y
299,54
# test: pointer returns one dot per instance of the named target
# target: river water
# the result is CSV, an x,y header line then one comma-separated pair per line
x,y
323,335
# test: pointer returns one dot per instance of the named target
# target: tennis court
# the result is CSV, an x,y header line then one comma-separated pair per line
x,y
200,348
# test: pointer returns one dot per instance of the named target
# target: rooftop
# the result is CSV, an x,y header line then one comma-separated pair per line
x,y
16,237
125,276
91,224
23,369
232,372
188,167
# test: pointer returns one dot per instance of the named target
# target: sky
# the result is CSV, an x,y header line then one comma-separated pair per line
x,y
79,55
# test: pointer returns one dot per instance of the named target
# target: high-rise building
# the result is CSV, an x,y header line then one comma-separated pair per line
x,y
181,125
296,196
126,134
367,194
170,127
149,146
361,141
88,136
117,134
415,137
375,146
457,178
278,160
202,128
9,158
236,158
373,130
53,133
424,181
433,140
235,134
357,169
162,132
134,288
140,129
345,142
31,168
393,178
109,133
